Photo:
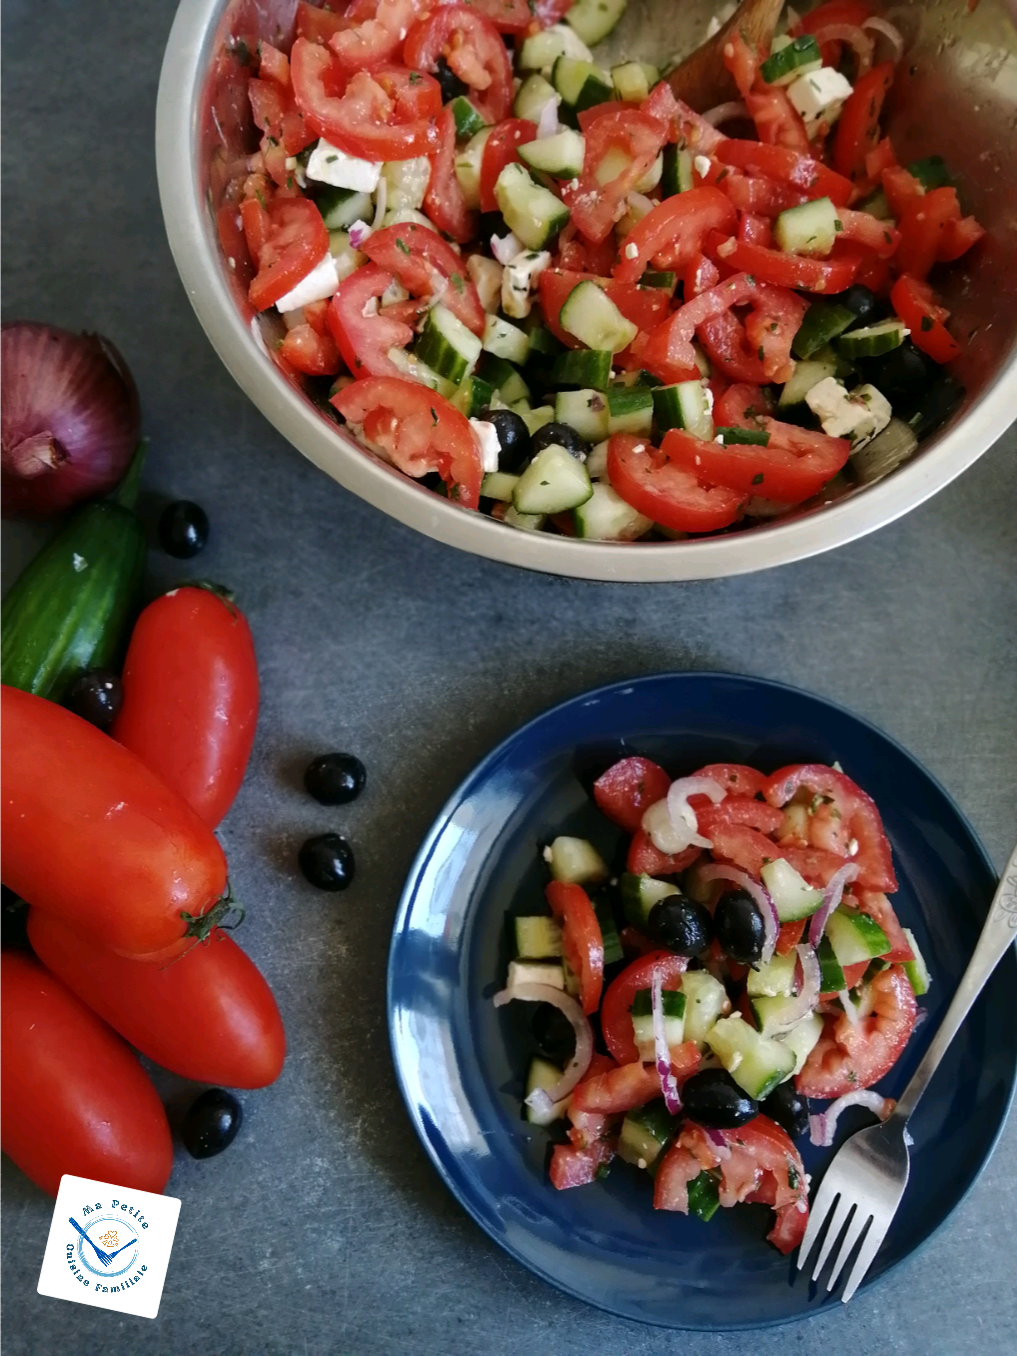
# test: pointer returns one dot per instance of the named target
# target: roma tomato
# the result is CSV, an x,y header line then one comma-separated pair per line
x,y
914,302
851,1055
858,125
190,706
419,430
474,51
293,242
801,171
620,148
209,1016
420,259
856,809
93,835
581,940
445,200
73,1098
795,465
653,484
615,1018
627,790
673,232
784,270
363,338
923,227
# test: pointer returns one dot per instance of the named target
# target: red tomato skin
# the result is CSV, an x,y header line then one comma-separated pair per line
x,y
739,810
874,858
364,341
500,149
847,1057
594,205
678,225
73,1098
414,253
737,779
190,707
295,242
573,1165
615,1019
651,483
784,270
209,1016
644,859
582,941
314,354
73,796
445,200
913,302
858,126
627,790
429,37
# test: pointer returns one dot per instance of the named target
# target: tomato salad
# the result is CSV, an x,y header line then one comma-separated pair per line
x,y
560,296
746,960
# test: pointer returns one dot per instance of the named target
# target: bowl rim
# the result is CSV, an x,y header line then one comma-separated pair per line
x,y
195,252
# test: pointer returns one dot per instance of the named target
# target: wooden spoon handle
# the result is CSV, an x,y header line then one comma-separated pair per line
x,y
702,80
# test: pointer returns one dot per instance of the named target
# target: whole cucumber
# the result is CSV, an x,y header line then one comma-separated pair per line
x,y
71,606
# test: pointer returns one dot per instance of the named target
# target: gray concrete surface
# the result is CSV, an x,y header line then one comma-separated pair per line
x,y
324,1229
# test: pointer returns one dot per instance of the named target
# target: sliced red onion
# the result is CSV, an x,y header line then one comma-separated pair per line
x,y
892,34
823,1127
543,1101
759,893
715,1137
359,232
854,37
832,896
725,113
808,993
547,126
505,247
662,1054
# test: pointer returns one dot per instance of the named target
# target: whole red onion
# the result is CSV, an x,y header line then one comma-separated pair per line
x,y
69,418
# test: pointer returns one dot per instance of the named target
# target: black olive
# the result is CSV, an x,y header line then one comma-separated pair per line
x,y
942,400
513,438
327,861
712,1098
564,435
14,917
96,696
183,529
491,223
553,1033
211,1123
788,1108
862,301
904,375
681,925
739,927
335,778
451,85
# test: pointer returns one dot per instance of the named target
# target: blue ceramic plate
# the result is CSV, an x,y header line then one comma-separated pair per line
x,y
461,1063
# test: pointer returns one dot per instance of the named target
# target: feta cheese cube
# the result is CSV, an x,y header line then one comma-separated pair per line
x,y
518,279
486,277
858,416
490,447
329,165
819,96
321,282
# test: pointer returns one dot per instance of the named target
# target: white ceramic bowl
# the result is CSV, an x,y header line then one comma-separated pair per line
x,y
957,97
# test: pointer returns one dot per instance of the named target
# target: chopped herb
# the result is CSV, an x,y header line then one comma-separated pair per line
x,y
457,282
331,159
454,492
357,363
792,1176
888,237
415,77
838,225
773,328
759,352
261,197
926,323
758,479
242,52
434,415
289,181
402,245
722,175
604,1168
750,280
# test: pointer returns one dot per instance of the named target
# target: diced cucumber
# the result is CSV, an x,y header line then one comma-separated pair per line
x,y
802,1039
473,396
560,155
931,172
607,517
639,894
533,96
503,378
809,229
824,320
531,212
916,970
406,181
417,370
630,411
755,1062
581,84
676,175
706,1001
468,120
631,82
793,897
548,972
645,1133
544,1076
647,184
577,861
704,1196
795,58
583,367
525,522
855,936
596,465
684,405
772,1013
402,216
608,931
660,278
542,50
831,975
498,485
673,1002
536,419
594,319
505,340
467,166
537,937
585,411
807,374
543,343
878,206
742,437
341,207
553,482
871,341
447,346
594,19
775,979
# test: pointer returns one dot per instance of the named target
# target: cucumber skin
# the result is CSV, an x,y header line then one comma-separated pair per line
x,y
58,621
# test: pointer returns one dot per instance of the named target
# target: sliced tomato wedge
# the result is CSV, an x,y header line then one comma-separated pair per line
x,y
775,267
700,275
375,41
742,406
627,790
851,1055
620,148
682,123
777,120
418,429
292,240
739,810
958,237
790,935
914,302
474,51
615,1018
508,16
860,228
737,779
310,352
858,125
649,481
318,25
445,201
500,149
573,1165
364,338
582,942
923,225
672,233
633,1084
424,264
646,859
794,466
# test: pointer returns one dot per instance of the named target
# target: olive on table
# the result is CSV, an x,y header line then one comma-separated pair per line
x,y
183,529
211,1123
335,778
96,696
327,861
451,86
738,926
788,1108
681,925
564,435
712,1098
513,438
553,1033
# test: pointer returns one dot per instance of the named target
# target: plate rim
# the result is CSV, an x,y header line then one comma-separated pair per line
x,y
410,890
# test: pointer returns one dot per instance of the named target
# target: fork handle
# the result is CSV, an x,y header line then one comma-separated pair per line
x,y
997,936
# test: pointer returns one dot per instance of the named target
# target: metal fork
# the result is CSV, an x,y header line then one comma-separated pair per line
x,y
863,1186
